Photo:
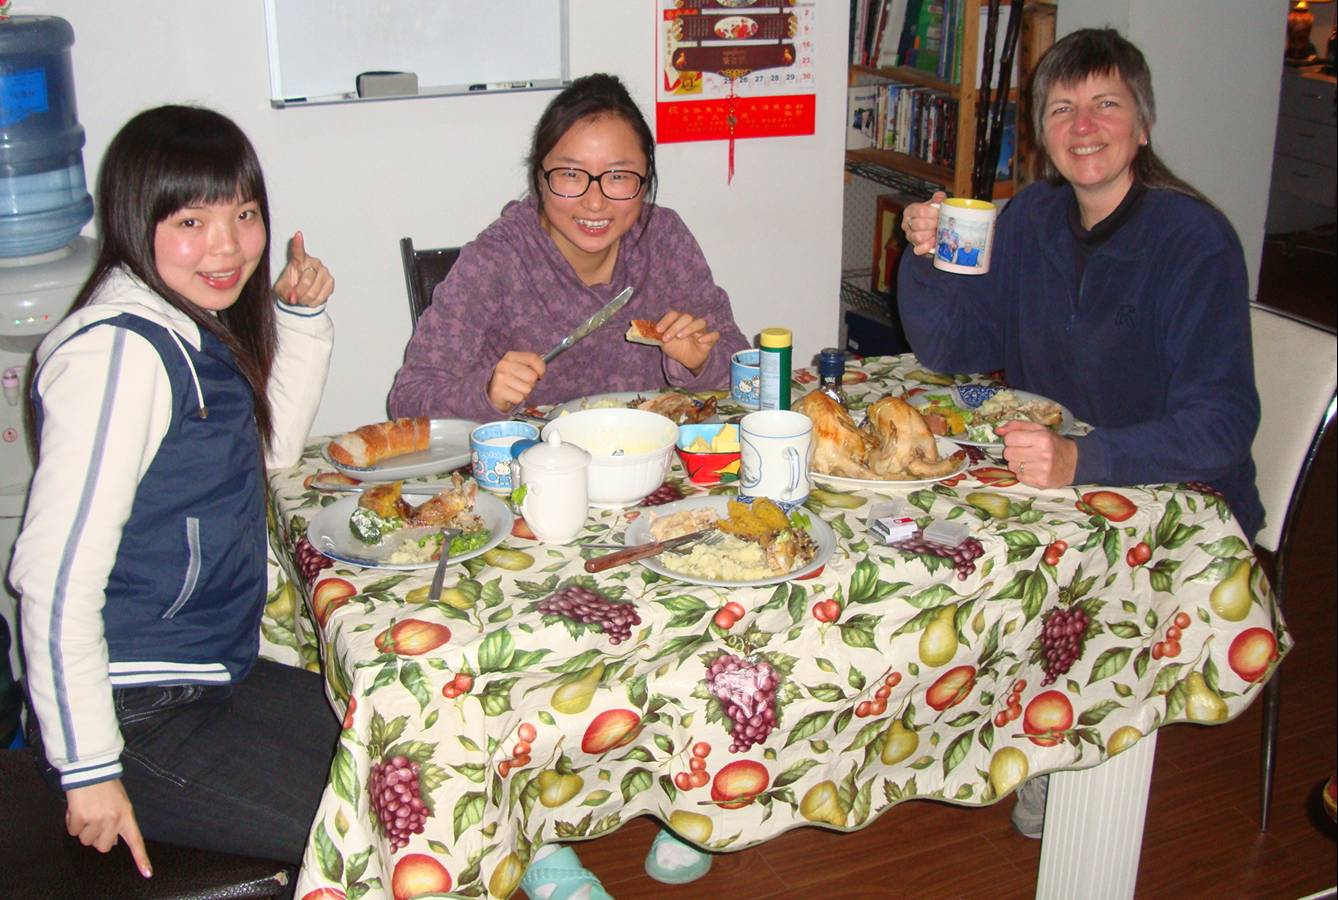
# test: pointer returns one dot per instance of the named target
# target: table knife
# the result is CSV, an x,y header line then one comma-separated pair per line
x,y
408,490
605,313
642,551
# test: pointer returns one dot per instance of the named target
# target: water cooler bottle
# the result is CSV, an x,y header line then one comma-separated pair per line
x,y
43,261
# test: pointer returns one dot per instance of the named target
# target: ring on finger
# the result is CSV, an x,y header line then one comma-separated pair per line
x,y
1022,468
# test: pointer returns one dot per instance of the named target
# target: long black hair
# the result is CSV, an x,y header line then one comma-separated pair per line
x,y
161,161
589,97
1092,52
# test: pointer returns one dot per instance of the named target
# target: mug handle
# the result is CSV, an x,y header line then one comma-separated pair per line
x,y
796,473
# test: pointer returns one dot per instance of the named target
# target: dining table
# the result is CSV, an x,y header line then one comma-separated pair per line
x,y
477,728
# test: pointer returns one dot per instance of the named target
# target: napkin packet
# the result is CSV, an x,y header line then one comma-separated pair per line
x,y
891,521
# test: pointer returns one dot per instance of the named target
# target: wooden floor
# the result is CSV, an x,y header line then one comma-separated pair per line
x,y
1202,836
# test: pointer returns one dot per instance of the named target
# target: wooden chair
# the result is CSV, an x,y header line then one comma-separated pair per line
x,y
423,271
1294,369
38,859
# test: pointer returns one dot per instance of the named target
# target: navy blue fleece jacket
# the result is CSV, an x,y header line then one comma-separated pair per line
x,y
1153,348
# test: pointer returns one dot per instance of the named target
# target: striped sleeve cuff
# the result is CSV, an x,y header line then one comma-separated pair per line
x,y
134,674
77,776
297,309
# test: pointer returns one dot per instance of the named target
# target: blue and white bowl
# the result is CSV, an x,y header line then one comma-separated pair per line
x,y
973,395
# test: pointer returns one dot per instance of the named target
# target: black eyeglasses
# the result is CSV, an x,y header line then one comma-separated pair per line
x,y
616,184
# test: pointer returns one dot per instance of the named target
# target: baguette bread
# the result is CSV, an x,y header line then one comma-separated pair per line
x,y
371,444
642,331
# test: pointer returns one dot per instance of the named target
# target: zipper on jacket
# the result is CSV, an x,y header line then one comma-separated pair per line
x,y
192,567
1073,316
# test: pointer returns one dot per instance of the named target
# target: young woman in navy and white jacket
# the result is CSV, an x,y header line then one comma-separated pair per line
x,y
177,377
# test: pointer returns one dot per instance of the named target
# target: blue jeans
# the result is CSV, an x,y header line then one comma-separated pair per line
x,y
234,768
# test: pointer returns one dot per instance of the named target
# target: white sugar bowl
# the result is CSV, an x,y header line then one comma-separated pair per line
x,y
553,495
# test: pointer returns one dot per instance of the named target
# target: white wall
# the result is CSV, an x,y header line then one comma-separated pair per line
x,y
1216,69
357,177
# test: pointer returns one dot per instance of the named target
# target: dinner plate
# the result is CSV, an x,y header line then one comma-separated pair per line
x,y
946,448
447,448
615,400
639,533
329,533
970,396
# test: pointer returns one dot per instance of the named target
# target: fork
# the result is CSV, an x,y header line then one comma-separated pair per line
x,y
438,576
714,537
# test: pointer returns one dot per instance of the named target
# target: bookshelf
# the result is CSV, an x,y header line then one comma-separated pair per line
x,y
954,179
871,172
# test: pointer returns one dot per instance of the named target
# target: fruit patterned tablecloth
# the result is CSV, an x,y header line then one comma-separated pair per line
x,y
482,726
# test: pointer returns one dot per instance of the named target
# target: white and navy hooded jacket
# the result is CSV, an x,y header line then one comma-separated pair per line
x,y
142,557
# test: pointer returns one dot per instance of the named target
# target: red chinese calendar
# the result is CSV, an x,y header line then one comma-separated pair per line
x,y
734,69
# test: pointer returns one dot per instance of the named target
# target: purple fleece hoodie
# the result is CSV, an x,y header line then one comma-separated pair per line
x,y
511,289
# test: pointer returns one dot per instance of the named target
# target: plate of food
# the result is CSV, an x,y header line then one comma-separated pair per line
x,y
401,448
893,447
969,413
679,406
379,529
760,545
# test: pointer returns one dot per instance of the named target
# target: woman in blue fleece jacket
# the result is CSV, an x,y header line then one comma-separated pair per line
x,y
1114,288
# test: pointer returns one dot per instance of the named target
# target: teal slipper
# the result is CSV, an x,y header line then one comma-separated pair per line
x,y
679,862
562,869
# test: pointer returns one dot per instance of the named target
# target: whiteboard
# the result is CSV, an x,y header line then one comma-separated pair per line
x,y
453,46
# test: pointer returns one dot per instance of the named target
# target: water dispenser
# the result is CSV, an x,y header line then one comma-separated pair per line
x,y
43,199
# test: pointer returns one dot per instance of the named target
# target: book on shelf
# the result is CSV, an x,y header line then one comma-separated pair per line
x,y
879,23
927,35
868,18
930,37
916,121
861,113
859,11
890,39
906,40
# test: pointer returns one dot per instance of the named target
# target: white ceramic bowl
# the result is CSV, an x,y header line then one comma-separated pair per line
x,y
630,451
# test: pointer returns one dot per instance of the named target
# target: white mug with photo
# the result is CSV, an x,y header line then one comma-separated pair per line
x,y
964,236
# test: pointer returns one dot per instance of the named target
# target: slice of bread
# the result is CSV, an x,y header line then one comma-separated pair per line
x,y
642,331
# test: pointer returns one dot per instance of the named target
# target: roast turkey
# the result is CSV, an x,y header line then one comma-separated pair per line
x,y
893,444
840,447
907,448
